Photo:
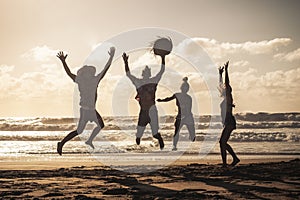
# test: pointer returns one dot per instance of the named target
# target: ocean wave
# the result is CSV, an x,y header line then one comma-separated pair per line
x,y
247,135
244,121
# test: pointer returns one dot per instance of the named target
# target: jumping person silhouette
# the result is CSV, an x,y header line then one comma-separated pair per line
x,y
184,115
146,88
228,120
87,84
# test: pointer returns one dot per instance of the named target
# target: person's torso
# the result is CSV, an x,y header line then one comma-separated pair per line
x,y
88,92
184,104
146,95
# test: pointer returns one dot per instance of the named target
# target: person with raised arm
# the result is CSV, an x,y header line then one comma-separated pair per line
x,y
146,89
228,120
87,83
184,115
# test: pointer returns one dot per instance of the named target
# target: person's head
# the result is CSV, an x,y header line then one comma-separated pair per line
x,y
185,86
146,72
86,71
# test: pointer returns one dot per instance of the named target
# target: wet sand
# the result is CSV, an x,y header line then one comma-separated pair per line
x,y
275,178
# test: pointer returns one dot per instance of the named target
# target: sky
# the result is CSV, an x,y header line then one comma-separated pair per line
x,y
261,38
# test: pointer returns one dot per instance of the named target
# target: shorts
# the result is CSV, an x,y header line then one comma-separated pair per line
x,y
148,116
230,121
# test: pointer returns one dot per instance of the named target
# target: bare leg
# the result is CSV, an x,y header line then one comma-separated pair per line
x,y
139,133
236,160
226,147
176,134
154,126
191,129
71,135
223,143
142,123
100,125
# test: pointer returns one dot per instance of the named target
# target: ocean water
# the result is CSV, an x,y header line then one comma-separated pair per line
x,y
257,134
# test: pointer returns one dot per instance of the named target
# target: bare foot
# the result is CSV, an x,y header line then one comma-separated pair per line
x,y
138,141
160,140
235,162
90,144
59,148
224,166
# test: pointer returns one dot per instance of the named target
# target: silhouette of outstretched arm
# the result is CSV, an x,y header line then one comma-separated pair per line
x,y
167,99
221,70
62,58
226,74
127,70
162,70
111,54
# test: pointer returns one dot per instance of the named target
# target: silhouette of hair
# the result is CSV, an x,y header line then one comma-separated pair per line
x,y
86,70
185,85
222,91
147,71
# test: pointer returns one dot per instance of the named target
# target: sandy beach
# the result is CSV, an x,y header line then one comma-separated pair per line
x,y
273,178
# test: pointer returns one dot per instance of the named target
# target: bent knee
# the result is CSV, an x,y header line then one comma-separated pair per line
x,y
79,131
222,142
101,126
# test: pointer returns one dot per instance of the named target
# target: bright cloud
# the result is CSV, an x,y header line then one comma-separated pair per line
x,y
48,81
291,56
218,49
40,53
6,69
278,88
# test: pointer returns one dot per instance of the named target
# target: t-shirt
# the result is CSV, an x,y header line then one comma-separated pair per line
x,y
88,91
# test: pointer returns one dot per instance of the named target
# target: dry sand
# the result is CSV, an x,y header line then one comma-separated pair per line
x,y
252,179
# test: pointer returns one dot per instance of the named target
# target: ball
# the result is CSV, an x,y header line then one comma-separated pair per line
x,y
162,46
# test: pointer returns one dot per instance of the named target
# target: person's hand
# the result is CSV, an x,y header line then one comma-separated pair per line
x,y
112,51
221,70
61,56
125,58
226,65
159,100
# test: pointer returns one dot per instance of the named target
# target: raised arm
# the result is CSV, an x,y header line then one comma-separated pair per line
x,y
127,70
167,99
62,58
162,70
221,70
226,74
111,53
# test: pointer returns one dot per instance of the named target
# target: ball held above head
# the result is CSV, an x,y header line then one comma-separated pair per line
x,y
162,46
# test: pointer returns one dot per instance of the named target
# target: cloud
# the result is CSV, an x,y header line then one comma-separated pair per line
x,y
7,81
45,81
276,91
218,49
48,81
238,64
291,56
276,83
40,53
6,69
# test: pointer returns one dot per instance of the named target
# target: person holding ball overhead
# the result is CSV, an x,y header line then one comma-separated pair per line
x,y
146,89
